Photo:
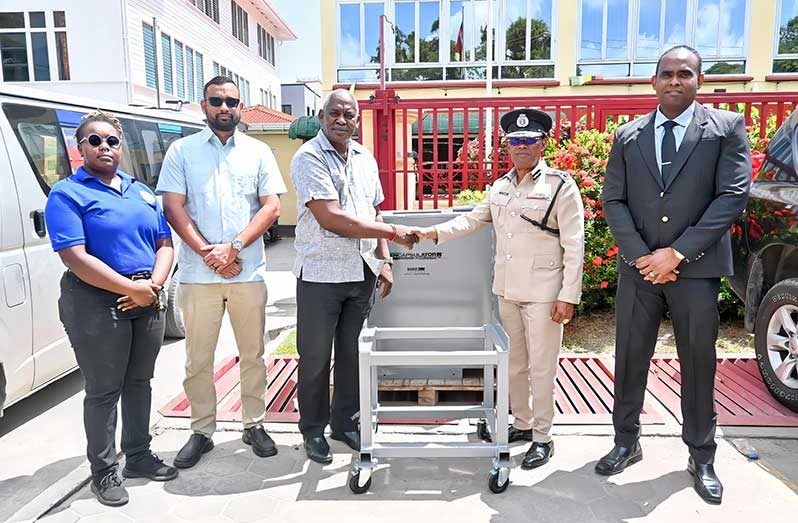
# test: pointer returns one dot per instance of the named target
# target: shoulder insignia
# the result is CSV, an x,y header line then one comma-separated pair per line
x,y
561,174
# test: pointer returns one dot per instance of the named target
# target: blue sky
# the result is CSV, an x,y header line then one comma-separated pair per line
x,y
302,57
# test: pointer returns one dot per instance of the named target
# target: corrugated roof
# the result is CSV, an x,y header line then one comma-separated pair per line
x,y
258,114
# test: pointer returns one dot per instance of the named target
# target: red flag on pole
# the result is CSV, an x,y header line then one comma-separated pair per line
x,y
458,46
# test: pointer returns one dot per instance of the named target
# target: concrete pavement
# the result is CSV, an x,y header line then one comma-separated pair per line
x,y
44,471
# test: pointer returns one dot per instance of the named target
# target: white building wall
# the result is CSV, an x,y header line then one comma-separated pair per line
x,y
184,22
95,43
106,54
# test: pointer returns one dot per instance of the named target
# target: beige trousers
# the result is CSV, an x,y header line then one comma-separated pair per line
x,y
203,307
535,343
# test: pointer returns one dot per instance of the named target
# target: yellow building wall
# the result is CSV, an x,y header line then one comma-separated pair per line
x,y
759,63
284,150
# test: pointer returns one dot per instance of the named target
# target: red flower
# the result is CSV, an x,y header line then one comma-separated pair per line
x,y
612,251
588,182
597,260
604,284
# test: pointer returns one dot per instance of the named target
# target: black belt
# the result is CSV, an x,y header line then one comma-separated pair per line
x,y
143,275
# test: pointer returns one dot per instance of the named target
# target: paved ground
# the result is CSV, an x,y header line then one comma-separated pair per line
x,y
43,468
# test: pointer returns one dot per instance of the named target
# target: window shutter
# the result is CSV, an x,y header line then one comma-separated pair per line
x,y
166,53
180,73
200,76
149,55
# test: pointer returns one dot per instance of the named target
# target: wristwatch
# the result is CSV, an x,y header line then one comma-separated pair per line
x,y
388,260
237,245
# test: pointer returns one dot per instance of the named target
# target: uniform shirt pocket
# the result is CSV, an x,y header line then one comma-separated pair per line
x,y
547,261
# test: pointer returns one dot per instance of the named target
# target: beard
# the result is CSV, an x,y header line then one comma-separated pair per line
x,y
223,125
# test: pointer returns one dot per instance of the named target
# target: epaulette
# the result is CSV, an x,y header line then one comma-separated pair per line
x,y
562,174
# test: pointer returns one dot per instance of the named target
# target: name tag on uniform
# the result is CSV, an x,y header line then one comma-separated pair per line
x,y
541,191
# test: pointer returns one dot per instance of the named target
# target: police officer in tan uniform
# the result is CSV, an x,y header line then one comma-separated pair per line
x,y
538,219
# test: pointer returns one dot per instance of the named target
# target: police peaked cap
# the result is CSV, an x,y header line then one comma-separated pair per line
x,y
526,122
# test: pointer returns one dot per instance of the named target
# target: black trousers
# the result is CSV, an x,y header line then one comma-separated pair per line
x,y
328,312
116,352
693,305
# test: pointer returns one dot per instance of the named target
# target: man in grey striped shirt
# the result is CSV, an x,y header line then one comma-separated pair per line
x,y
342,253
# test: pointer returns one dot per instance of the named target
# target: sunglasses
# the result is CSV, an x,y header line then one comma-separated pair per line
x,y
230,102
95,140
525,140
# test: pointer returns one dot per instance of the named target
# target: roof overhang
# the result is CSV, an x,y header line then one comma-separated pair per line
x,y
278,27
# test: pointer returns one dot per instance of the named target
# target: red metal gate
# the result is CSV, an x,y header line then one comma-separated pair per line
x,y
419,144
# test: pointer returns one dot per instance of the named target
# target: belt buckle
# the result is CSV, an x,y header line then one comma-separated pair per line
x,y
140,276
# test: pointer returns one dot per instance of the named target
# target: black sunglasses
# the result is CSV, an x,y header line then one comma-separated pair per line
x,y
95,140
230,102
526,140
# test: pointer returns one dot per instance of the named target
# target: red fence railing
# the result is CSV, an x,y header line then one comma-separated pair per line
x,y
419,143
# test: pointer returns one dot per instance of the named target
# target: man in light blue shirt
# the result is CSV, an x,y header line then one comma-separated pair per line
x,y
220,193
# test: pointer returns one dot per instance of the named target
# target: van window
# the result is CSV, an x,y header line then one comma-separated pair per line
x,y
779,164
145,149
38,131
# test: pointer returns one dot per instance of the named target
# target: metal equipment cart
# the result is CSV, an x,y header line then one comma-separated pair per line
x,y
439,320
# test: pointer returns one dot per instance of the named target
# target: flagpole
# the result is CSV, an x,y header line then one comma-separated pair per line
x,y
489,80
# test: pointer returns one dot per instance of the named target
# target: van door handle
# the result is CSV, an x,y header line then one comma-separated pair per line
x,y
38,222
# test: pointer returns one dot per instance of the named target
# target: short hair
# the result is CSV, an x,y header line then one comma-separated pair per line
x,y
217,80
339,93
676,48
97,116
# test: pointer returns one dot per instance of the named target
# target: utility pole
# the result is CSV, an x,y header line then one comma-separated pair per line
x,y
155,54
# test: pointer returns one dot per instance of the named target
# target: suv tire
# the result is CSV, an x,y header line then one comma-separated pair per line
x,y
776,341
174,317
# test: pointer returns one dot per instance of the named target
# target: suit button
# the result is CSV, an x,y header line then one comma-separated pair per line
x,y
509,257
513,213
518,195
662,195
551,264
665,219
509,235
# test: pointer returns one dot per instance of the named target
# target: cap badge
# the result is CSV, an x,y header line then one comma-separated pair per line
x,y
522,120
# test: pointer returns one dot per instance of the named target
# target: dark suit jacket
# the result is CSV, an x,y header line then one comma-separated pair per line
x,y
691,211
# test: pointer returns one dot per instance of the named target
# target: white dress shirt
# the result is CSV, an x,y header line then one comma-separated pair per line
x,y
683,120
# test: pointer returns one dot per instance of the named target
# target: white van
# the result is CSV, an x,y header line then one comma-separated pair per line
x,y
38,148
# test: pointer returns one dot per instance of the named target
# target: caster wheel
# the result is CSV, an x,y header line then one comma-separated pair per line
x,y
354,483
482,430
495,483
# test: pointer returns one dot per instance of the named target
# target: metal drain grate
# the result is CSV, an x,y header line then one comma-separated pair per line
x,y
740,395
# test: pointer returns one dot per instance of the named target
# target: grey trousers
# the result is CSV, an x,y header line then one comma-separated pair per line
x,y
116,352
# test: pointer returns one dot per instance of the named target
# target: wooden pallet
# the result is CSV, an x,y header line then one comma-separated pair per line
x,y
431,392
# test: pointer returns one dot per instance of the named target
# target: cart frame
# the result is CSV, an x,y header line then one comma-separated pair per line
x,y
493,416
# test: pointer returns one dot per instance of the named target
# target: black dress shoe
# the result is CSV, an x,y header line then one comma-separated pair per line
x,y
192,451
150,466
352,439
618,459
318,449
705,481
262,444
537,455
514,434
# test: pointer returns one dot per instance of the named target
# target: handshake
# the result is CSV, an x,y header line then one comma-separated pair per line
x,y
409,236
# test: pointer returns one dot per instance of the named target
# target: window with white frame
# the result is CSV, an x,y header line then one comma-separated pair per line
x,y
26,52
209,7
621,38
446,39
785,59
240,22
266,45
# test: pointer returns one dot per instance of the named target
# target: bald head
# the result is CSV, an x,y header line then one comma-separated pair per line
x,y
339,117
339,95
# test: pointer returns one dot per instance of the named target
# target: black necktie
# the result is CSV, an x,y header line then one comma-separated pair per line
x,y
668,152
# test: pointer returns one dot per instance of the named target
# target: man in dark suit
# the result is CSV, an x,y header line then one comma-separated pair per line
x,y
676,181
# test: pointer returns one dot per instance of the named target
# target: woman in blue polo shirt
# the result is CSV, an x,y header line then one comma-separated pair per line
x,y
111,233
